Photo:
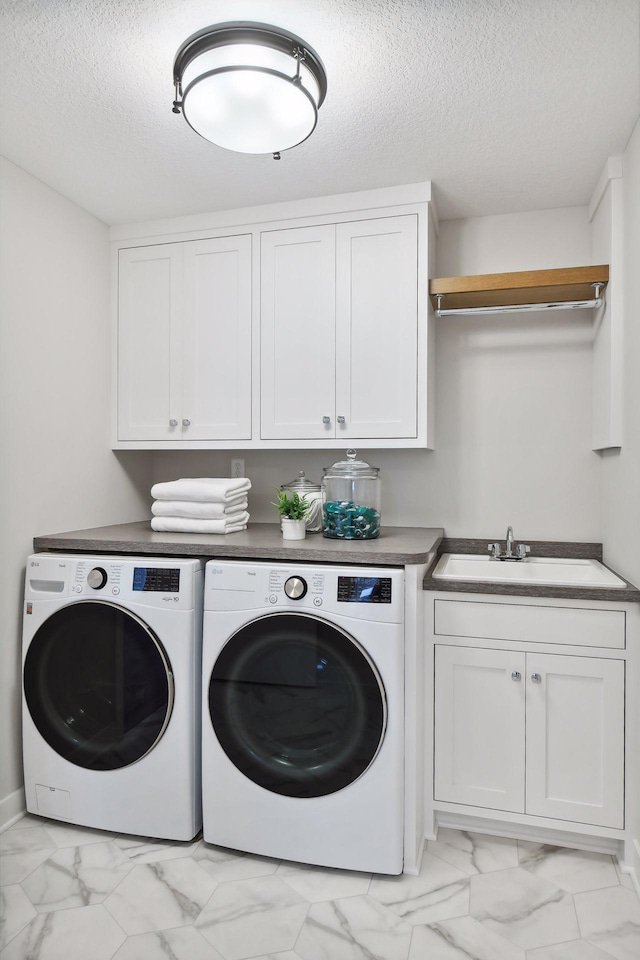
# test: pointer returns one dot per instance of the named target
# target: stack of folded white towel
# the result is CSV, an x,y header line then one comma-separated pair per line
x,y
201,505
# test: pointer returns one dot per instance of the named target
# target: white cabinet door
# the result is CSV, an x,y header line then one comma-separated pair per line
x,y
216,347
575,739
560,720
377,328
149,333
297,333
184,341
480,727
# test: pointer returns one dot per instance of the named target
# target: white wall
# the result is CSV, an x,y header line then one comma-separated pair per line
x,y
58,472
513,407
514,391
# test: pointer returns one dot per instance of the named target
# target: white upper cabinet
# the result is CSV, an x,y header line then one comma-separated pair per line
x,y
339,331
377,328
184,341
303,324
216,356
297,333
149,333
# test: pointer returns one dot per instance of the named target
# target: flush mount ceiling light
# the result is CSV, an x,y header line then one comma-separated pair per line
x,y
249,87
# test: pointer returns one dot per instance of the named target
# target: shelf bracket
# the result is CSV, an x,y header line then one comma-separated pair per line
x,y
519,307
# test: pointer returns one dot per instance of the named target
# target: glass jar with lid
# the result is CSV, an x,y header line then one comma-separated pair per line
x,y
313,492
352,492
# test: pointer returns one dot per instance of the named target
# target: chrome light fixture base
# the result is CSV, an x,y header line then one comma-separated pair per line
x,y
249,87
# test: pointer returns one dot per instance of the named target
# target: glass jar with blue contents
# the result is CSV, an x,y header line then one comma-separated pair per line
x,y
351,493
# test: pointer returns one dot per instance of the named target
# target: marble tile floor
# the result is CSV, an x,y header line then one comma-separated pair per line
x,y
70,893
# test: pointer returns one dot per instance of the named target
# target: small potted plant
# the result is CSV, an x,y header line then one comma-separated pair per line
x,y
294,511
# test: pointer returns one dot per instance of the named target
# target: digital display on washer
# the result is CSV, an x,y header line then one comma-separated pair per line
x,y
364,589
156,579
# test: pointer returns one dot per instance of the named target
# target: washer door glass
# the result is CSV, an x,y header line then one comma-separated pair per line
x,y
297,705
98,685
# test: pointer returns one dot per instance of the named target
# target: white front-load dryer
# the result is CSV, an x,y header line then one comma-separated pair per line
x,y
111,692
303,713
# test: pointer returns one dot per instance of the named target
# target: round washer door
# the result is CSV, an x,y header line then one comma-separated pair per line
x,y
297,705
98,685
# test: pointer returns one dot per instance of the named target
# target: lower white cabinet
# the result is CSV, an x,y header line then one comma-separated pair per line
x,y
575,739
480,727
540,734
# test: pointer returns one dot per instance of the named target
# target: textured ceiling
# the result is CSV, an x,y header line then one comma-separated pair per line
x,y
506,105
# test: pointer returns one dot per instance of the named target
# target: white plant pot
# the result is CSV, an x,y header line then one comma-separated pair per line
x,y
293,529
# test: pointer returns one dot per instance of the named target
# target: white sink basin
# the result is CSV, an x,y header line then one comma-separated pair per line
x,y
534,571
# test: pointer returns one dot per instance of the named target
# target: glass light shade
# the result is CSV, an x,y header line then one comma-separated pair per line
x,y
249,87
249,110
249,55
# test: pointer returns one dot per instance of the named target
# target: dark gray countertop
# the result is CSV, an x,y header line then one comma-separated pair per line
x,y
396,546
540,548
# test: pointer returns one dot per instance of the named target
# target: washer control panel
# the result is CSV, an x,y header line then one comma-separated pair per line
x,y
148,581
156,579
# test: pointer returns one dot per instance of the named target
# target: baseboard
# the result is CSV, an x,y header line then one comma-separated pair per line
x,y
560,838
634,866
12,809
413,868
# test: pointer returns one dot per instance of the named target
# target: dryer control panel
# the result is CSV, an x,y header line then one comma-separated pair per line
x,y
365,589
362,593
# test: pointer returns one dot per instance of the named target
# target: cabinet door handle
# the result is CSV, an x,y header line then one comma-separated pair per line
x,y
341,420
173,423
516,675
536,678
326,419
186,423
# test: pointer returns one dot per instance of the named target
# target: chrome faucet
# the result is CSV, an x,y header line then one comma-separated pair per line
x,y
508,549
522,549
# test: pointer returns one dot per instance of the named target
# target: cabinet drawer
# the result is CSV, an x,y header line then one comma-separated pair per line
x,y
532,624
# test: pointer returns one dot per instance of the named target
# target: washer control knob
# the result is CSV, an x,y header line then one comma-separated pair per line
x,y
295,588
97,578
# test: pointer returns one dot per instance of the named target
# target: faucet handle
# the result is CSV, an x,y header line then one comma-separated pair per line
x,y
494,550
522,550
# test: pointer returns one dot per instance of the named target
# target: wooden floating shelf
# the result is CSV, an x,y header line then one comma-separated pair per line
x,y
527,286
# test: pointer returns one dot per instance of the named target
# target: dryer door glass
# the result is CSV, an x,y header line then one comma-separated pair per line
x,y
297,705
98,685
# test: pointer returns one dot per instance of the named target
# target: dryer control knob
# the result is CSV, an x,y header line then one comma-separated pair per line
x,y
97,578
295,588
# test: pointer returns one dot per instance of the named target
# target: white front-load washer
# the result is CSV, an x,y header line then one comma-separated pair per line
x,y
111,692
303,712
